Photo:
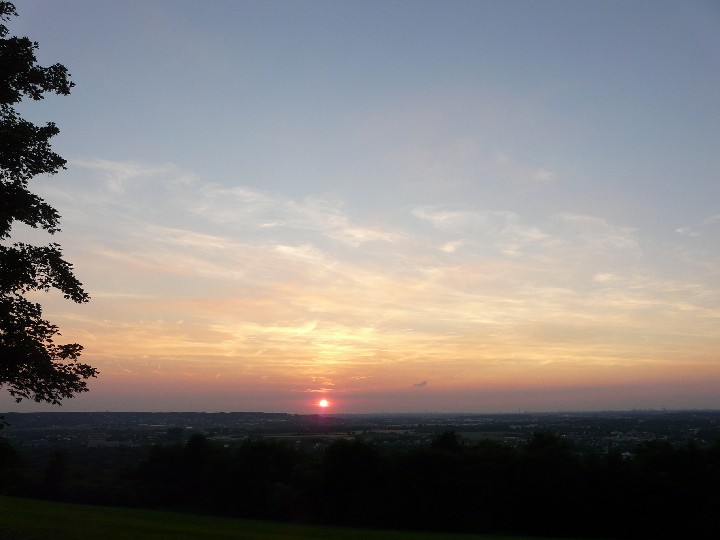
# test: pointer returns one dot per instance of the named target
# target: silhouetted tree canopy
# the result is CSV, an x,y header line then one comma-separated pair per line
x,y
448,441
544,487
32,365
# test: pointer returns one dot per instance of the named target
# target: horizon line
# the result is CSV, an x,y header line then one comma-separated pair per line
x,y
384,413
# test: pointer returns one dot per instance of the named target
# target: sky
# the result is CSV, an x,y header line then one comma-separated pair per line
x,y
396,206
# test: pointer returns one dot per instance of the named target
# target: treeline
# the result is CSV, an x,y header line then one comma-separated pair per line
x,y
542,488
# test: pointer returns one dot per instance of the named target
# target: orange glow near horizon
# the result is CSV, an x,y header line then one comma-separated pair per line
x,y
430,334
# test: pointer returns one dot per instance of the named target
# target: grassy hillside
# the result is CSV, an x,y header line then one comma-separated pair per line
x,y
25,519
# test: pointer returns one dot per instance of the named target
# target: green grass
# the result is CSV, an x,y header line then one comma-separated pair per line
x,y
26,519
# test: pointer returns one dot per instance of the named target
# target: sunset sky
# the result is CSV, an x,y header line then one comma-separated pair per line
x,y
394,206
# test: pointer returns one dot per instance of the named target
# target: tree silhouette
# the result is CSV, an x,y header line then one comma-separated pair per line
x,y
10,464
32,365
447,441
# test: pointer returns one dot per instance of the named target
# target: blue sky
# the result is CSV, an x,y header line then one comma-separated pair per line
x,y
516,203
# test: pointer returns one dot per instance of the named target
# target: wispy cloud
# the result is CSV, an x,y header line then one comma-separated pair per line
x,y
261,287
523,174
119,173
241,206
706,226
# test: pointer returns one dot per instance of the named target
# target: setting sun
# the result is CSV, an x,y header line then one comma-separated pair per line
x,y
324,403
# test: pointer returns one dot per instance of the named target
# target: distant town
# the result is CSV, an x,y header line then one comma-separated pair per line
x,y
600,432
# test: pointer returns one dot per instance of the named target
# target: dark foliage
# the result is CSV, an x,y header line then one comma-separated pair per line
x,y
353,484
32,365
542,488
10,466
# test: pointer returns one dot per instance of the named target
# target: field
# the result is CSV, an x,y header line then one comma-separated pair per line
x,y
25,519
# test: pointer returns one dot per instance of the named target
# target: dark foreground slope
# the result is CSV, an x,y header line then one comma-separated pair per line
x,y
25,519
